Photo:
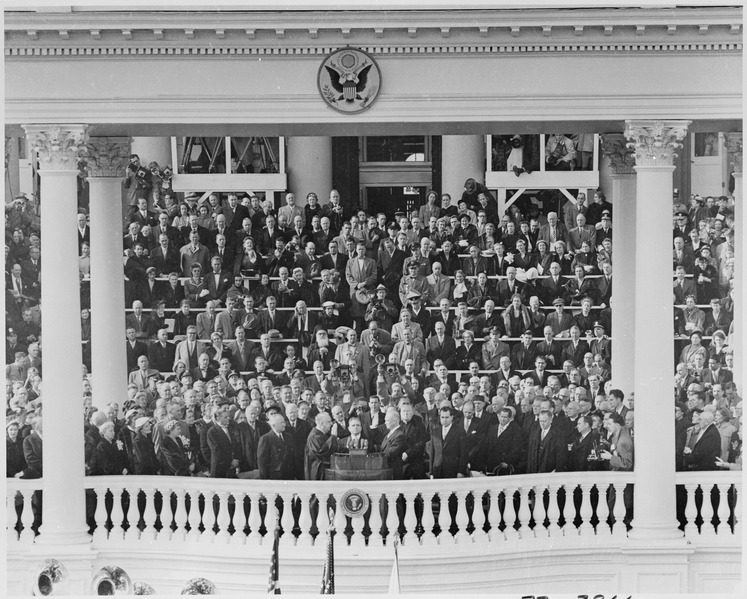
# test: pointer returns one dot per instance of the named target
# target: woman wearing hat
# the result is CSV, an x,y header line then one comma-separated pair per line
x,y
173,456
542,258
705,276
109,456
144,460
15,463
694,348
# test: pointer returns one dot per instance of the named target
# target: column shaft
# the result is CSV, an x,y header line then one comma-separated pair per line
x,y
309,167
463,156
108,351
623,282
654,313
740,272
64,513
654,497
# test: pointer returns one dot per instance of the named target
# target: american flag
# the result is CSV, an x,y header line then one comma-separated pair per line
x,y
273,584
328,576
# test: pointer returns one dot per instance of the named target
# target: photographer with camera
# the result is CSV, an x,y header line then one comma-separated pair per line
x,y
137,183
381,310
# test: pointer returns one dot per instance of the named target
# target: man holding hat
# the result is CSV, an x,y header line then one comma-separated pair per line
x,y
361,276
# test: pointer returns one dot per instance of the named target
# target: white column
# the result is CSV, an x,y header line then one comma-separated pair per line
x,y
108,160
623,194
654,504
309,167
462,157
734,144
12,177
64,521
152,149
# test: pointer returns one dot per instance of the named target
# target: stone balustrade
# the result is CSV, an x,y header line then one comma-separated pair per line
x,y
131,509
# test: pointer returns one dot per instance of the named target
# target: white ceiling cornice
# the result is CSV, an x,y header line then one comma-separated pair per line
x,y
73,27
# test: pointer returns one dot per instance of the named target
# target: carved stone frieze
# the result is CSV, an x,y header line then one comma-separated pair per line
x,y
621,157
59,147
108,156
654,142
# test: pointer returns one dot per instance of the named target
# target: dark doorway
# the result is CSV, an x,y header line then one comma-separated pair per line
x,y
394,199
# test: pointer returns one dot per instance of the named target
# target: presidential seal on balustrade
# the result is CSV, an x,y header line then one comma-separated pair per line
x,y
354,503
349,80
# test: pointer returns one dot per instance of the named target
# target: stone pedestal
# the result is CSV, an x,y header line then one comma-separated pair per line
x,y
654,144
63,515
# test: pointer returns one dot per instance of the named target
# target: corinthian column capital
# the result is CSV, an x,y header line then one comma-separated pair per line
x,y
621,157
108,156
59,147
655,142
733,143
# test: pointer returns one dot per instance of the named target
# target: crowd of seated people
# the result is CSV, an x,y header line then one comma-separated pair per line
x,y
563,152
708,409
452,339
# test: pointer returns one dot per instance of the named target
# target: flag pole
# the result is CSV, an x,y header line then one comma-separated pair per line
x,y
328,575
394,586
273,584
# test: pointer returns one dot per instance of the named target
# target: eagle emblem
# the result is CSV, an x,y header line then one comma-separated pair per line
x,y
349,80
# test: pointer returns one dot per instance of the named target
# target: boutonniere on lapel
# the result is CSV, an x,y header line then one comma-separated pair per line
x,y
120,445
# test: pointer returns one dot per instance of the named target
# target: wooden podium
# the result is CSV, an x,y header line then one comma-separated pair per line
x,y
358,465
